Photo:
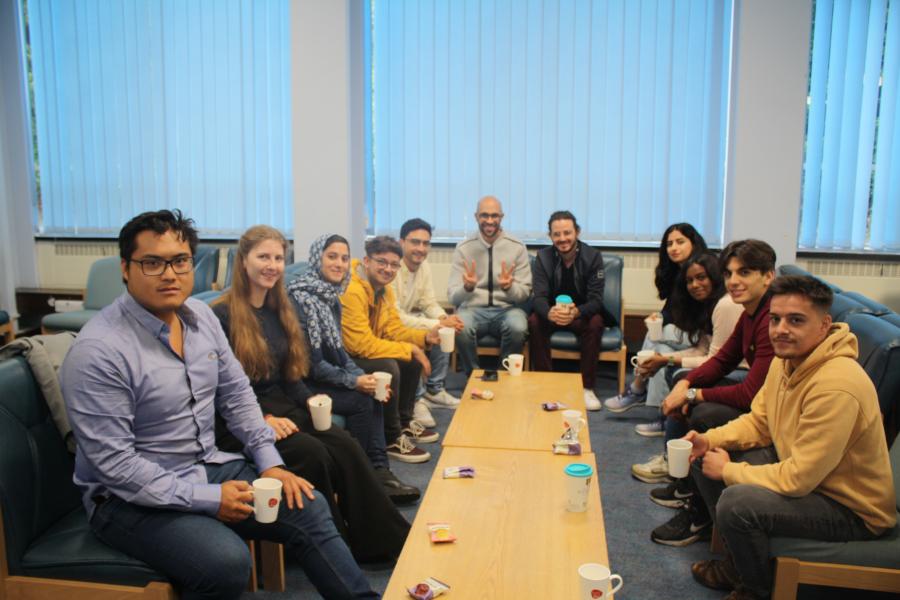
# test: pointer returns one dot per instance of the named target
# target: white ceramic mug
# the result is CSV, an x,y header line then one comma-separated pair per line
x,y
266,498
573,420
513,363
654,325
382,383
679,455
448,338
641,357
320,410
578,484
594,580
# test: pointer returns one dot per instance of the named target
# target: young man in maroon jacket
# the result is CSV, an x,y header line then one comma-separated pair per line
x,y
700,402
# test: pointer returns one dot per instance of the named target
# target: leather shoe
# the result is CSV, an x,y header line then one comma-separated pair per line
x,y
716,574
398,492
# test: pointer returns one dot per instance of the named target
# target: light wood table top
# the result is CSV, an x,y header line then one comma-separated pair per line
x,y
515,538
514,419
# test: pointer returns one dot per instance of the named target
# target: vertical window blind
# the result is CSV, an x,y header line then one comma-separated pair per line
x,y
614,109
851,179
162,104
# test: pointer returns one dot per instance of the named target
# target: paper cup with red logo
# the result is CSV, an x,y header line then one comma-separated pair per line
x,y
594,580
266,498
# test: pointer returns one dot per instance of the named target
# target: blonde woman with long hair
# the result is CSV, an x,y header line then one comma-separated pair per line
x,y
266,337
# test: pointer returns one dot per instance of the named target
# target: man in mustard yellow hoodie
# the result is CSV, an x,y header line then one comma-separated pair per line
x,y
809,460
377,340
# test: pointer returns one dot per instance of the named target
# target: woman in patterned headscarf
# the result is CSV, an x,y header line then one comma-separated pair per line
x,y
317,297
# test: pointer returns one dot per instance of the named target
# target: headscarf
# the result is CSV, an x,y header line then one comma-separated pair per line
x,y
319,299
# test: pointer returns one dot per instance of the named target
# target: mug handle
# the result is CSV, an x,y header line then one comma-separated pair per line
x,y
505,363
618,587
634,361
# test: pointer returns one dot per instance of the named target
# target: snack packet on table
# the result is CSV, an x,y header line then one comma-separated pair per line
x,y
480,394
440,533
464,472
551,406
428,589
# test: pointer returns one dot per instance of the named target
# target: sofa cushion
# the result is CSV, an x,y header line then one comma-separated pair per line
x,y
610,341
883,552
68,321
4,317
69,550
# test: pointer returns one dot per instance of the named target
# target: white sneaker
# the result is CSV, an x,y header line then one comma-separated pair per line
x,y
422,414
655,470
441,399
591,401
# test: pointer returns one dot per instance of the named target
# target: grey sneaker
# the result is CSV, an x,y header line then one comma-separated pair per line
x,y
622,402
651,429
422,414
441,399
655,470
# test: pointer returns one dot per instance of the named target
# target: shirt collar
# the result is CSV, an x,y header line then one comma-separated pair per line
x,y
150,322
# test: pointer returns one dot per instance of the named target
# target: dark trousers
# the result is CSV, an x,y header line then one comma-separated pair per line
x,y
405,377
364,416
206,558
747,516
589,332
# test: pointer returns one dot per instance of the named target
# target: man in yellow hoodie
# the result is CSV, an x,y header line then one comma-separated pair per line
x,y
809,460
377,340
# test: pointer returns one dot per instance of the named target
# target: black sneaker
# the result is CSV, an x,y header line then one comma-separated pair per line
x,y
686,527
672,495
400,493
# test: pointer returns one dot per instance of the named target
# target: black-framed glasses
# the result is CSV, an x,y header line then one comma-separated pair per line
x,y
386,264
154,267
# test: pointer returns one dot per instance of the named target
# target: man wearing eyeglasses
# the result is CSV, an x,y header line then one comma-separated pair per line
x,y
419,309
378,340
491,275
143,384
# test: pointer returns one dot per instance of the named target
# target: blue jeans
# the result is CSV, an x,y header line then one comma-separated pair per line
x,y
509,325
206,558
365,419
440,364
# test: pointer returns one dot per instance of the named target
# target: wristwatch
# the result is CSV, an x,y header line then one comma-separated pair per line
x,y
671,360
691,396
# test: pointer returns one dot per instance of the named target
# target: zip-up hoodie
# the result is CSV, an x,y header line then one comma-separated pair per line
x,y
825,424
370,324
489,259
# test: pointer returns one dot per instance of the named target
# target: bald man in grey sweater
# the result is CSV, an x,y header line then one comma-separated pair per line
x,y
491,274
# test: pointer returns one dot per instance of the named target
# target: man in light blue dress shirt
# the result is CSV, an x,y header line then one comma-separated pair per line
x,y
142,385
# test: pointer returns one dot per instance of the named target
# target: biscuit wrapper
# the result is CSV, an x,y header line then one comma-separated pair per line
x,y
479,394
551,406
464,472
428,589
569,447
440,533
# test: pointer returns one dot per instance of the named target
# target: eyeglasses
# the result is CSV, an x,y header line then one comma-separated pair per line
x,y
490,216
386,264
154,267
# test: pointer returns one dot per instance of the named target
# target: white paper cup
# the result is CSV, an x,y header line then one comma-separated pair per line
x,y
654,328
578,483
448,338
642,356
266,498
382,383
573,420
679,455
514,363
320,410
594,581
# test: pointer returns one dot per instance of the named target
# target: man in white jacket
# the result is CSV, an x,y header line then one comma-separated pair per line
x,y
491,275
419,308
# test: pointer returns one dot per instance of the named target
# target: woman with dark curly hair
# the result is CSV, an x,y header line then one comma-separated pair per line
x,y
679,242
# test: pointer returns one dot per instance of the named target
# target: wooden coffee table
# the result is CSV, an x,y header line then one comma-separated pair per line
x,y
515,537
514,420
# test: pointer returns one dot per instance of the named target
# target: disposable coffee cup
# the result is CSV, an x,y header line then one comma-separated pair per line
x,y
573,420
513,363
382,383
654,327
266,498
642,356
679,455
594,580
320,410
448,337
578,482
565,302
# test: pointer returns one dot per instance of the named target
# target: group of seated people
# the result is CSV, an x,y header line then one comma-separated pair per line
x,y
177,407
